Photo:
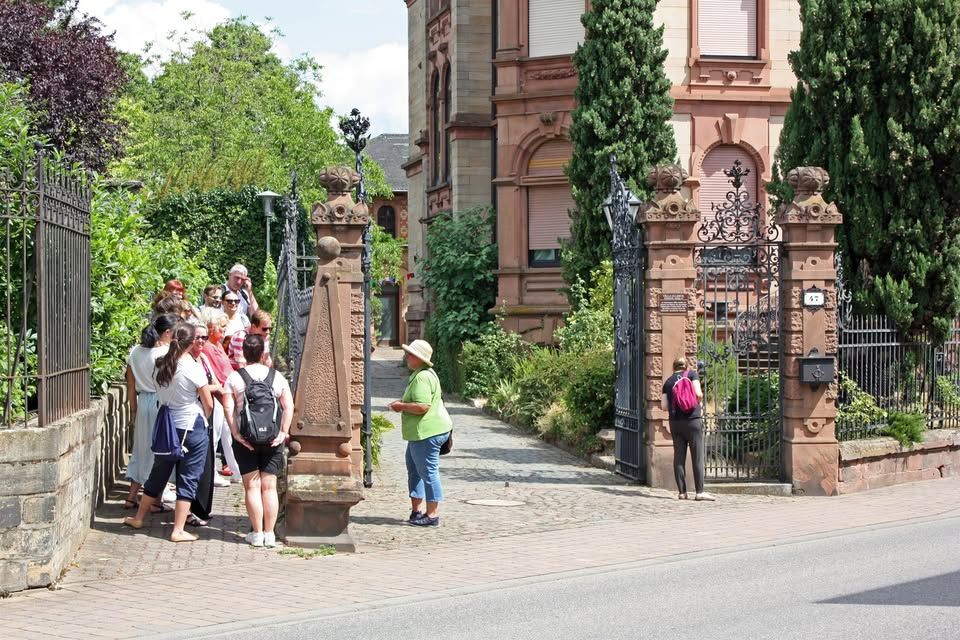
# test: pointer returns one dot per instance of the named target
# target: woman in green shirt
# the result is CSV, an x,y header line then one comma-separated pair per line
x,y
426,426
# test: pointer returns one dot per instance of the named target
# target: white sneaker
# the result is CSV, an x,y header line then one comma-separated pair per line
x,y
704,497
254,538
220,481
270,540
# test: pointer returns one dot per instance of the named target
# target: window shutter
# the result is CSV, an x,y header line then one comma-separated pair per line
x,y
550,159
727,28
547,218
555,27
714,184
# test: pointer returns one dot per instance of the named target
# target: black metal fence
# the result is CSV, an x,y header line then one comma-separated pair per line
x,y
44,292
882,372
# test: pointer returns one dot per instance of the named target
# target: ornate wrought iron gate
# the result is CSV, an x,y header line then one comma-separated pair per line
x,y
628,264
738,268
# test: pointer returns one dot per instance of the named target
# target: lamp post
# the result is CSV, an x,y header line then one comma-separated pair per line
x,y
268,198
621,206
354,129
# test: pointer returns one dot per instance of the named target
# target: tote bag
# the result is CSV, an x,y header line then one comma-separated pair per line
x,y
166,443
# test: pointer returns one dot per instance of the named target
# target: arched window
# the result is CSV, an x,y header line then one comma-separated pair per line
x,y
387,218
714,183
548,203
435,130
446,121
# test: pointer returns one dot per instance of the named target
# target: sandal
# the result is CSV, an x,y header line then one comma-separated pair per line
x,y
194,521
160,507
131,504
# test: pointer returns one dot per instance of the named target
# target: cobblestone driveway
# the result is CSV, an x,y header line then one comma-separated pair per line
x,y
491,460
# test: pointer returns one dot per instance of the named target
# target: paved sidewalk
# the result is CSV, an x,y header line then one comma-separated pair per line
x,y
202,600
572,517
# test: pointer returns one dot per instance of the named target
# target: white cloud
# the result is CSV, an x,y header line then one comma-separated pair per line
x,y
139,22
373,80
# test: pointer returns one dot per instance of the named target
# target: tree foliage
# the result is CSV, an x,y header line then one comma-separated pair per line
x,y
459,271
228,113
877,104
624,108
73,73
226,225
127,268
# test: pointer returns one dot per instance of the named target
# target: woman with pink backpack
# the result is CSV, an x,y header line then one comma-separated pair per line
x,y
682,397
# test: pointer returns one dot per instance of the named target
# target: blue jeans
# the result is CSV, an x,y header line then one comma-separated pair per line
x,y
189,468
423,468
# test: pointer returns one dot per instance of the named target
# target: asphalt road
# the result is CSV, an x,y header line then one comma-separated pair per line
x,y
895,582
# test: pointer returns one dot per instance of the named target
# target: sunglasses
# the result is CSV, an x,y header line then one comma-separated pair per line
x,y
266,329
232,300
201,338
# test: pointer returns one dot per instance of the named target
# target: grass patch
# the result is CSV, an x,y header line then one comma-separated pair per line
x,y
307,554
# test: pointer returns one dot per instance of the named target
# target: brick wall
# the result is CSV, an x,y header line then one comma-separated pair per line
x,y
881,462
51,480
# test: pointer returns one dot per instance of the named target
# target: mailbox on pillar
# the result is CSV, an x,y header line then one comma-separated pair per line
x,y
816,369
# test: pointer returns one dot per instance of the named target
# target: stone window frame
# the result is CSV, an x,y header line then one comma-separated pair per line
x,y
730,71
525,181
436,89
521,9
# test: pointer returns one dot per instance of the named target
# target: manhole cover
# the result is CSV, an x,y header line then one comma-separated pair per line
x,y
496,503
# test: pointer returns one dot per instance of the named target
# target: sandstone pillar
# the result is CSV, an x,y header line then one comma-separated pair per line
x,y
809,322
325,480
670,314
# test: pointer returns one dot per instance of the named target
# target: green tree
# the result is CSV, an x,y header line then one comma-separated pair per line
x,y
458,271
127,268
624,108
877,104
228,113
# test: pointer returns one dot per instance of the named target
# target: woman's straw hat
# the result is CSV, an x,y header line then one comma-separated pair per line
x,y
421,350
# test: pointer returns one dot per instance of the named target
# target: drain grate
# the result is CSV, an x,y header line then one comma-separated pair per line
x,y
495,503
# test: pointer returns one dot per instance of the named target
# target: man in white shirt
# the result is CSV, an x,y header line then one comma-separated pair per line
x,y
238,282
259,464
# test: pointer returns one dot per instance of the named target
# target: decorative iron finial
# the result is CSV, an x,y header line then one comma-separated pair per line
x,y
354,128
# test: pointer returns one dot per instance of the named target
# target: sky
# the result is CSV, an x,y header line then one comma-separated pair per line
x,y
362,44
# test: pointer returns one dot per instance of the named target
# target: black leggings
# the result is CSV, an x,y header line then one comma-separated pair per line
x,y
687,432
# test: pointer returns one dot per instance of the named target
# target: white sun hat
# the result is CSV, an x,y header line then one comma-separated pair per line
x,y
421,350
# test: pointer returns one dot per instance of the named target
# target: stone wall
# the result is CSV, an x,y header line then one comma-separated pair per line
x,y
51,480
881,462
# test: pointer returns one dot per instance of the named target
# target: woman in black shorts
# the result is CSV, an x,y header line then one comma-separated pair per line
x,y
259,464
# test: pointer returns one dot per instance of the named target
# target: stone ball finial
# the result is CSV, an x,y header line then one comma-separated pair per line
x,y
339,180
667,178
808,181
328,248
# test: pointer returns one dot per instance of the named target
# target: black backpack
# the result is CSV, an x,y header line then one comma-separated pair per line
x,y
260,419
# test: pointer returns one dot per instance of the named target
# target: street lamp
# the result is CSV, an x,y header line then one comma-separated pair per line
x,y
355,129
633,205
268,198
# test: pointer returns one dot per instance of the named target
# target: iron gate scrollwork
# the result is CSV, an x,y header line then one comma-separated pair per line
x,y
628,265
738,274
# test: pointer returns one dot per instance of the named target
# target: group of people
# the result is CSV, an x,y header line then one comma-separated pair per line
x,y
202,363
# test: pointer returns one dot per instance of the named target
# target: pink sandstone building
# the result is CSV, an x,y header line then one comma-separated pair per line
x,y
491,87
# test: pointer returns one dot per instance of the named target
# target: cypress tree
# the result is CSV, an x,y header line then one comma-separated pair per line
x,y
624,108
877,104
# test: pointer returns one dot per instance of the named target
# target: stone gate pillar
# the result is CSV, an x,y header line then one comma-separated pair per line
x,y
809,326
670,314
325,480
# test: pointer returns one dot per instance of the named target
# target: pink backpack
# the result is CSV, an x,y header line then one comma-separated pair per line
x,y
684,397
